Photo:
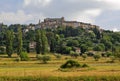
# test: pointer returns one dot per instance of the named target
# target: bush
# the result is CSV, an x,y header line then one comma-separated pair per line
x,y
90,54
44,58
74,54
99,47
37,56
96,57
84,56
58,56
17,59
112,59
2,50
24,56
85,65
70,64
107,54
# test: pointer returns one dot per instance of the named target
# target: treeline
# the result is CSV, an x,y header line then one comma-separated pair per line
x,y
59,40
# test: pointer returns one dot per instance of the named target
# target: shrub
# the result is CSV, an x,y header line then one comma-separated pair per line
x,y
96,57
66,58
38,56
2,50
24,56
84,56
85,65
107,54
70,64
99,47
112,59
90,54
44,58
17,59
58,56
74,54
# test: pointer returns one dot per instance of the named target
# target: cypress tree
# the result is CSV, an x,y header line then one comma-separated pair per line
x,y
9,42
44,43
41,42
38,42
20,42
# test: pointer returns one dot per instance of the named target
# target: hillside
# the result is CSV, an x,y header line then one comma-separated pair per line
x,y
64,39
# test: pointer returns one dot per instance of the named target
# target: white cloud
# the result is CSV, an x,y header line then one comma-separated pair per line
x,y
93,12
13,18
87,16
36,2
89,11
115,30
70,9
111,4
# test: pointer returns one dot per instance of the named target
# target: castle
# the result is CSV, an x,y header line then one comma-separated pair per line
x,y
56,22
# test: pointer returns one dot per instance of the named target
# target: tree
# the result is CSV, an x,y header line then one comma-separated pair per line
x,y
97,32
41,42
84,48
20,43
24,56
96,57
106,40
73,43
66,49
44,42
116,52
51,41
84,56
9,42
44,58
97,48
108,46
74,54
38,42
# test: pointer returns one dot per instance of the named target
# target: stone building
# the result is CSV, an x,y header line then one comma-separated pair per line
x,y
32,46
56,22
52,22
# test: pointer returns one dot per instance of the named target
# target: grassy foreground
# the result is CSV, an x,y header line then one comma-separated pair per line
x,y
81,78
33,70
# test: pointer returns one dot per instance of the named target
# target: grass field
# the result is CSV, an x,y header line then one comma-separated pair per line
x,y
11,70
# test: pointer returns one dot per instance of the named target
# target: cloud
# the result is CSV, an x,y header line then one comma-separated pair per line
x,y
89,11
36,2
108,20
87,16
110,4
115,30
70,9
18,17
93,12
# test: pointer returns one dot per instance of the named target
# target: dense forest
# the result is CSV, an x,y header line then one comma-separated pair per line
x,y
63,40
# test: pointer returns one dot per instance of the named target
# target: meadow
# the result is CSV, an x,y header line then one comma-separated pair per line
x,y
35,70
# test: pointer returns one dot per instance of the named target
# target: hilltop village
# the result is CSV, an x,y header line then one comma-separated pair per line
x,y
58,22
51,23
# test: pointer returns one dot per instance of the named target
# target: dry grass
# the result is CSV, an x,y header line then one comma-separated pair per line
x,y
8,67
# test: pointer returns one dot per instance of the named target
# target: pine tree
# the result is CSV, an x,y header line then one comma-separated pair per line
x,y
9,42
20,42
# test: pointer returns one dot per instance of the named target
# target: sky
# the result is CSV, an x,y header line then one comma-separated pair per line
x,y
104,13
